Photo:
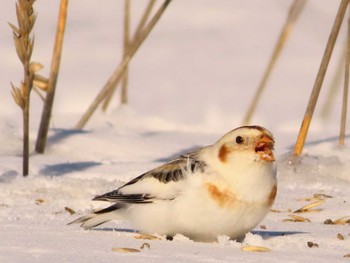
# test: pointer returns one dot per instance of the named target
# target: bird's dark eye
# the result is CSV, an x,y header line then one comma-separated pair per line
x,y
239,139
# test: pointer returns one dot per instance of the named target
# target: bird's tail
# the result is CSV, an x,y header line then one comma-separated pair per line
x,y
98,217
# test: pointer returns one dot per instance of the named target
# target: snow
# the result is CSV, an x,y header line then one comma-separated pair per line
x,y
190,83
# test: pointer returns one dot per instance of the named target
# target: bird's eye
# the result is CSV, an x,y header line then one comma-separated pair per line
x,y
239,139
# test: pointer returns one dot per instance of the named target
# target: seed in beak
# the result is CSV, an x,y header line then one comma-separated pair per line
x,y
264,148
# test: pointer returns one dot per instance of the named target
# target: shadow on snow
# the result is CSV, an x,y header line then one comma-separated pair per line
x,y
271,234
264,234
61,134
64,168
316,142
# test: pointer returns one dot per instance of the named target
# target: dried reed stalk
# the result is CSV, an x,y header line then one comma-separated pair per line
x,y
24,44
293,14
299,145
127,45
334,85
124,95
117,74
346,87
144,19
54,70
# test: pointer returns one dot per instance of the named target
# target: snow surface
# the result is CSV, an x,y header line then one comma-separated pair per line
x,y
190,83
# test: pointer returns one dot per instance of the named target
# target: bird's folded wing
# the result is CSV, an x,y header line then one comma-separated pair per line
x,y
161,183
117,197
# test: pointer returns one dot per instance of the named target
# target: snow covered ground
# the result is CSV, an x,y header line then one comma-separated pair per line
x,y
190,83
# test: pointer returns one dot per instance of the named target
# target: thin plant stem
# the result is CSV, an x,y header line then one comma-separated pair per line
x,y
28,82
346,87
335,85
126,43
24,44
124,94
144,19
117,74
137,33
299,145
293,14
55,65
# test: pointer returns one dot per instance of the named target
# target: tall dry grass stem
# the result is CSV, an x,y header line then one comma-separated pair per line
x,y
24,44
346,86
334,85
139,28
144,19
124,91
299,145
117,74
293,14
126,43
52,82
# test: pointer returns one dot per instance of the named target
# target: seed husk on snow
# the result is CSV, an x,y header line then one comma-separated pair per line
x,y
125,250
308,199
328,222
295,218
320,196
307,208
39,201
69,210
311,244
340,236
146,237
315,197
275,211
145,246
255,249
342,221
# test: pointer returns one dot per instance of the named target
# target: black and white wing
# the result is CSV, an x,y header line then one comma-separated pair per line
x,y
161,183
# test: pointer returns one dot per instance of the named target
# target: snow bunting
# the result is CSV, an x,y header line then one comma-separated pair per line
x,y
223,189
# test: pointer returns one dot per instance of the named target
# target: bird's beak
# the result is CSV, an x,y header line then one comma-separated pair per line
x,y
264,148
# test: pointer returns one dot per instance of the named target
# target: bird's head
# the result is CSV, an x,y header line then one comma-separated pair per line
x,y
246,143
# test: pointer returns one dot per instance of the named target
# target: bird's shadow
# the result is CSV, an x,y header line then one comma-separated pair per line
x,y
270,234
265,235
113,229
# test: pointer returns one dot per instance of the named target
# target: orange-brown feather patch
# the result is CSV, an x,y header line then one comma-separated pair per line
x,y
223,198
272,195
223,152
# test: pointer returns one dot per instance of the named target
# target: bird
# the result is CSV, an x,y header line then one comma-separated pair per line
x,y
224,189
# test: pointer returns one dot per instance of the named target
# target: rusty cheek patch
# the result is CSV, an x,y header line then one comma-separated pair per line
x,y
223,152
222,198
272,195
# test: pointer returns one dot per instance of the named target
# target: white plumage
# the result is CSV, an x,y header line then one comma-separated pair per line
x,y
223,189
